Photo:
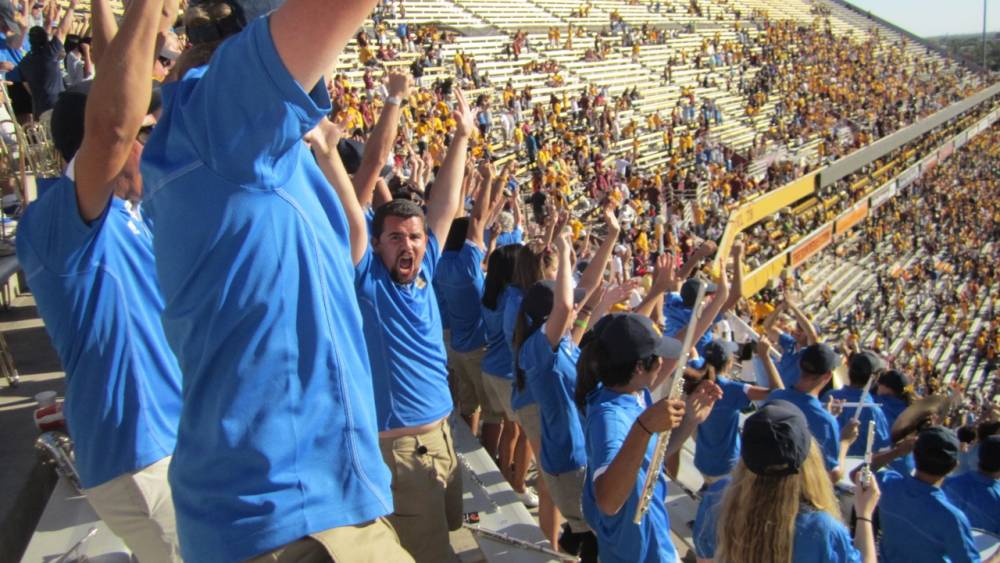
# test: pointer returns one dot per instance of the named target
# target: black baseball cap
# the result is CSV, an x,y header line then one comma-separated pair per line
x,y
538,301
989,454
862,365
351,151
776,439
718,352
895,380
936,450
630,337
818,359
689,291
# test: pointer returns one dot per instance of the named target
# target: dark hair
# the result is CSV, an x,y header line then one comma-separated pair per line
x,y
499,273
68,119
593,367
457,234
402,208
37,38
523,329
966,434
529,266
987,429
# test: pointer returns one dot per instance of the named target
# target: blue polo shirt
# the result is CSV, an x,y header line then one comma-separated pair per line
x,y
551,376
717,443
706,520
409,364
519,398
458,282
278,437
95,288
822,424
498,360
819,537
788,365
676,316
853,395
892,407
978,497
920,524
609,419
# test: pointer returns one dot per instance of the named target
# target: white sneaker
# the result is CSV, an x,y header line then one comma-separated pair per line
x,y
529,497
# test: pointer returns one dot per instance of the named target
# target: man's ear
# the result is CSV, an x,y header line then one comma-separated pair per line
x,y
374,243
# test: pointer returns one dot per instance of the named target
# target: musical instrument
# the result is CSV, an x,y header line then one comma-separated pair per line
x,y
509,540
673,392
864,396
987,544
919,414
58,448
866,473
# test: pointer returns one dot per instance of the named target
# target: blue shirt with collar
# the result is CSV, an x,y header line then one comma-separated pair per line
x,y
498,360
717,442
920,524
788,365
977,495
519,398
551,376
858,447
278,437
609,418
95,288
822,425
409,364
458,282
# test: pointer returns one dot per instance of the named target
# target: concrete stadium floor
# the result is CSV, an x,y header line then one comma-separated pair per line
x,y
24,484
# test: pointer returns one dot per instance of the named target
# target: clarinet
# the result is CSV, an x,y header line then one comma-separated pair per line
x,y
660,451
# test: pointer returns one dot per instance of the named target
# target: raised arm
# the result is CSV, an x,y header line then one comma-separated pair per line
x,y
736,292
67,20
124,91
382,138
591,277
446,195
323,141
763,351
310,34
562,300
801,319
665,280
105,28
703,251
483,205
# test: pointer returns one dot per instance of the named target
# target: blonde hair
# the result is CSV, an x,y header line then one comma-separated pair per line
x,y
758,512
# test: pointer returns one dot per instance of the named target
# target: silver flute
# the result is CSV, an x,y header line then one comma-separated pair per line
x,y
865,479
872,381
674,391
509,540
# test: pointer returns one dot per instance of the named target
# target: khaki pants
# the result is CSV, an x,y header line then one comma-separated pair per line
x,y
138,508
498,394
471,393
426,491
565,489
371,542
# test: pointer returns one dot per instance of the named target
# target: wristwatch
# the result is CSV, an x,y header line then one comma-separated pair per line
x,y
394,100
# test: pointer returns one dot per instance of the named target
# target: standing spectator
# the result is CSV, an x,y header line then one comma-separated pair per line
x,y
277,454
40,68
977,493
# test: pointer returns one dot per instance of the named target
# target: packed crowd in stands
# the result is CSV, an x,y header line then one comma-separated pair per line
x,y
275,287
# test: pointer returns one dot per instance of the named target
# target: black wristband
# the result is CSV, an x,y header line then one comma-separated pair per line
x,y
643,426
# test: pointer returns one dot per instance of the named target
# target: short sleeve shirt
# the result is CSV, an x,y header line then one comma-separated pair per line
x,y
498,360
519,398
459,279
278,438
978,497
95,288
788,365
717,442
822,424
41,70
858,448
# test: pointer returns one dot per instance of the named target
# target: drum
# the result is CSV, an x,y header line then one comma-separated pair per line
x,y
987,544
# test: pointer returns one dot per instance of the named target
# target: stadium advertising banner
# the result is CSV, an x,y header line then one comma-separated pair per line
x,y
882,195
759,278
771,202
819,240
851,217
908,176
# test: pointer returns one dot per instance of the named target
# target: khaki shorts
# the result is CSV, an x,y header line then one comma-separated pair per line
x,y
138,508
471,394
426,491
370,542
566,490
531,422
498,394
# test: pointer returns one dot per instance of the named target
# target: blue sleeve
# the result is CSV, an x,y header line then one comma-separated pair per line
x,y
786,342
734,395
432,255
518,235
959,545
363,271
53,232
247,112
840,546
883,438
830,443
606,433
472,262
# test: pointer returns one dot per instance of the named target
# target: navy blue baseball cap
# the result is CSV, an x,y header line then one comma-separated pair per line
x,y
819,359
776,440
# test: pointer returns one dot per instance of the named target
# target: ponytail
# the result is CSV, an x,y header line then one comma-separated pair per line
x,y
522,331
587,372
